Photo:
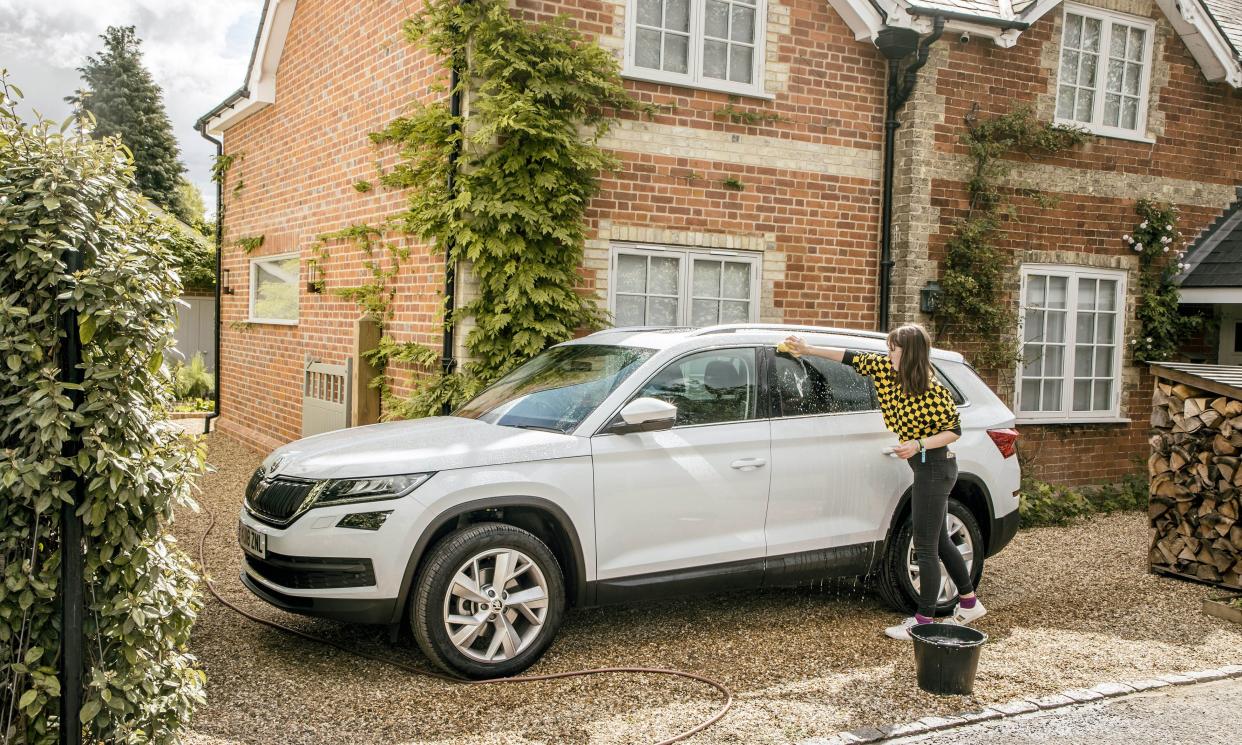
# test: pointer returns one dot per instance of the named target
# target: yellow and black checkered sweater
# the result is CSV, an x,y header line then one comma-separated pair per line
x,y
911,417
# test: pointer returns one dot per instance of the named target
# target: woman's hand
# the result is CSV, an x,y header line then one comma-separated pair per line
x,y
794,345
907,449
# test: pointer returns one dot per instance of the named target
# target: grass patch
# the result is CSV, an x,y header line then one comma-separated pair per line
x,y
1041,504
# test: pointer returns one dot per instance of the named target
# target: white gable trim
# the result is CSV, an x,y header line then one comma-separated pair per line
x,y
861,16
259,91
1038,10
1204,40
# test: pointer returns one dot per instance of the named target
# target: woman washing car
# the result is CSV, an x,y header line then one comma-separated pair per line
x,y
921,412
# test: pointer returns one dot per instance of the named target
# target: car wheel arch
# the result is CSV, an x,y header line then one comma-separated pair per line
x,y
545,519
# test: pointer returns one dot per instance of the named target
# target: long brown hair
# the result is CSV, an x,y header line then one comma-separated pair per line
x,y
914,371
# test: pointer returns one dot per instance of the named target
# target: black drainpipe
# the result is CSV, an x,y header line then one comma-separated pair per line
x,y
215,404
896,44
448,361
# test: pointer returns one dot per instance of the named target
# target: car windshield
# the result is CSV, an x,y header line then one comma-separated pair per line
x,y
556,390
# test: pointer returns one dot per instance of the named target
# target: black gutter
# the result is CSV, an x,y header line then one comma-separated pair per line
x,y
953,15
896,48
448,362
232,99
202,130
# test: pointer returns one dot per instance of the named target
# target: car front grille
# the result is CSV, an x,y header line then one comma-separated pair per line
x,y
313,572
277,501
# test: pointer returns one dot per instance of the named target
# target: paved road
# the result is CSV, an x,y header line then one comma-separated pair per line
x,y
1203,714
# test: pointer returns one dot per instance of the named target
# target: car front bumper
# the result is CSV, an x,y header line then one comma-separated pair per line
x,y
315,567
350,610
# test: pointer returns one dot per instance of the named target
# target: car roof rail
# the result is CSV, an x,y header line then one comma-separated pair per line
x,y
731,328
633,329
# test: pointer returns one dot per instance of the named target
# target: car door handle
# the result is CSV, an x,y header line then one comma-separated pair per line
x,y
748,464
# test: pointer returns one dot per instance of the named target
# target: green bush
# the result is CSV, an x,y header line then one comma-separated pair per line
x,y
60,193
195,257
193,380
195,405
1041,504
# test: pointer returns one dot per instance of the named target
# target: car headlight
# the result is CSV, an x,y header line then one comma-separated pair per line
x,y
346,491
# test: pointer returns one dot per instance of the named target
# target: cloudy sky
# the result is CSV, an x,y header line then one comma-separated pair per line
x,y
197,51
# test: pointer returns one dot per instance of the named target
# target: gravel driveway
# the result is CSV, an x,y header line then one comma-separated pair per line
x,y
1068,607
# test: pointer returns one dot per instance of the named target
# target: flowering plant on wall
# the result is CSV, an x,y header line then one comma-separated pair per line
x,y
1157,241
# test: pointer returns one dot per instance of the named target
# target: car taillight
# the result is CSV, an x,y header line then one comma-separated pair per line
x,y
1006,441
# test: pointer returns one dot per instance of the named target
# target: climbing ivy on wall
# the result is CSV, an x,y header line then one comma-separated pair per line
x,y
540,97
973,306
1157,241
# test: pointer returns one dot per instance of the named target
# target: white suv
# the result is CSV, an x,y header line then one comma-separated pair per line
x,y
628,464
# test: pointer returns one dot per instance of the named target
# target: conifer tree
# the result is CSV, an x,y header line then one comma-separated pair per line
x,y
125,101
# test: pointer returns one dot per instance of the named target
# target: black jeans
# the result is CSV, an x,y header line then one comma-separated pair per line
x,y
933,480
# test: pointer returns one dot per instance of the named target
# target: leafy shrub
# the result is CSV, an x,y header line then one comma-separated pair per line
x,y
193,380
60,193
1041,504
1158,242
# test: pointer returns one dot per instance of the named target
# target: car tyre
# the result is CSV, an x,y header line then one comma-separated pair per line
x,y
455,589
896,586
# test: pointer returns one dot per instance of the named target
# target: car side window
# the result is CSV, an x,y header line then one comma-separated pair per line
x,y
943,379
719,385
813,385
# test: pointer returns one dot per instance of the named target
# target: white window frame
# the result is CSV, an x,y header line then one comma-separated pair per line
x,y
1107,18
1066,414
693,77
685,288
254,286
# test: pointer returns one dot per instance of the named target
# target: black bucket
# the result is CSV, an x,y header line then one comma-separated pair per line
x,y
946,657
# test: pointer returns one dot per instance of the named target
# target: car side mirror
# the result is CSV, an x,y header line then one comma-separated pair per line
x,y
644,415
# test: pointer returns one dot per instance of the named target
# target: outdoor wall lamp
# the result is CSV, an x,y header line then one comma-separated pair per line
x,y
225,289
314,278
929,296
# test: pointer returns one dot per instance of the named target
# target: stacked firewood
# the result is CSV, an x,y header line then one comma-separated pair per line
x,y
1196,481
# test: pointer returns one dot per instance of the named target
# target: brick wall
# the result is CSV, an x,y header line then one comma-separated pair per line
x,y
346,71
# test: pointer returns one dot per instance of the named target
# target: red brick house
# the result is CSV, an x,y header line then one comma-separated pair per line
x,y
1156,82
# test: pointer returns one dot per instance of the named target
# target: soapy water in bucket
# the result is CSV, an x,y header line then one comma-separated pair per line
x,y
946,635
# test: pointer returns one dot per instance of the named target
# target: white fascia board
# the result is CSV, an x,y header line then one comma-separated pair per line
x,y
261,83
1206,44
1209,295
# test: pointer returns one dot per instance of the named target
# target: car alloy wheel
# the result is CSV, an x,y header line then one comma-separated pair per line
x,y
496,605
487,601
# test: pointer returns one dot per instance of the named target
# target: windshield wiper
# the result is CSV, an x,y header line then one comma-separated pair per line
x,y
537,427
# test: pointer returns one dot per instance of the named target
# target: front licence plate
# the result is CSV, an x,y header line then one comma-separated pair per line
x,y
252,541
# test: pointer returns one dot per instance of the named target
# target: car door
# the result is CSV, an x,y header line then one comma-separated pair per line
x,y
692,496
831,485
